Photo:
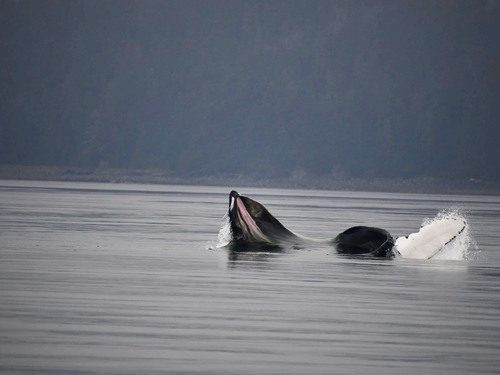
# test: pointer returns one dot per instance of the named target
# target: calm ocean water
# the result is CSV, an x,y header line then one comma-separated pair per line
x,y
128,279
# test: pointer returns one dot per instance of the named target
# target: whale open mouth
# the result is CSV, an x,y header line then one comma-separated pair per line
x,y
243,224
251,222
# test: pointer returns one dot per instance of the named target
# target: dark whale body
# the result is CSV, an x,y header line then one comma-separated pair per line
x,y
254,228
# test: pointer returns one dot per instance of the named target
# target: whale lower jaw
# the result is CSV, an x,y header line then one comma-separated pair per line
x,y
251,222
249,227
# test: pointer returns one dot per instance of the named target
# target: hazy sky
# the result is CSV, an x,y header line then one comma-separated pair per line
x,y
263,88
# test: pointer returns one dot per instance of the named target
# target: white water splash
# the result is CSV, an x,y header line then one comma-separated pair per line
x,y
224,236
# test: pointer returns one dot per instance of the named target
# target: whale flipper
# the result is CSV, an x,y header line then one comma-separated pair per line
x,y
431,238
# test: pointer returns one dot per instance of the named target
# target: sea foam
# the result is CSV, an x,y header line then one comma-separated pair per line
x,y
224,237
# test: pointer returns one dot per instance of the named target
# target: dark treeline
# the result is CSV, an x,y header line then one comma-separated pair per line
x,y
261,88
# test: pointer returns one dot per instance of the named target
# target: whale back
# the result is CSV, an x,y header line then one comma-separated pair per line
x,y
365,240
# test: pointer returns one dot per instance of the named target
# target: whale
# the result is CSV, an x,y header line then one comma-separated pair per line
x,y
254,228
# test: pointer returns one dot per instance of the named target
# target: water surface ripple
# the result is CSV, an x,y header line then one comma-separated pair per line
x,y
125,279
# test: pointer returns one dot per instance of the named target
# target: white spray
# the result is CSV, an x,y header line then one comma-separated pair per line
x,y
224,237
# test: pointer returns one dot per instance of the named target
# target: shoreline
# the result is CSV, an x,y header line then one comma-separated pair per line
x,y
141,176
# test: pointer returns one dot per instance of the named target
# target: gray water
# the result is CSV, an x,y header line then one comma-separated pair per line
x,y
128,279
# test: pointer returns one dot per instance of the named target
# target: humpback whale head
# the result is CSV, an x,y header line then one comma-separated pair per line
x,y
251,222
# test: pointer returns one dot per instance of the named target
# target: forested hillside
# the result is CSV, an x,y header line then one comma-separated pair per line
x,y
262,88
